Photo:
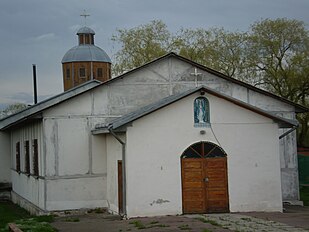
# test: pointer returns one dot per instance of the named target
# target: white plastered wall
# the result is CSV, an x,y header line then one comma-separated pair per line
x,y
28,187
75,164
5,164
114,153
156,142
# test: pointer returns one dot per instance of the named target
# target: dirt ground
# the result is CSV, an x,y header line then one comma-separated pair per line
x,y
294,216
107,223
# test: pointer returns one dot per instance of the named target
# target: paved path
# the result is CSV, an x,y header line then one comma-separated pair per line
x,y
238,222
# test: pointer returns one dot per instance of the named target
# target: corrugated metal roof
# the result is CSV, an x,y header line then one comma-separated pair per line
x,y
39,107
86,52
128,118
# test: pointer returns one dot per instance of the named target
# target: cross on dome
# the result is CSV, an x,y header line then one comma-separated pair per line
x,y
85,15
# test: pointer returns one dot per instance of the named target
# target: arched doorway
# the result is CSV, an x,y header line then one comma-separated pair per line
x,y
204,179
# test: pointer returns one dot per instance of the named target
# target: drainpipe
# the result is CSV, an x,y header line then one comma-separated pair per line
x,y
288,132
110,129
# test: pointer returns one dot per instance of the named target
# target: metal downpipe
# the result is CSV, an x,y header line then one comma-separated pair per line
x,y
124,203
288,132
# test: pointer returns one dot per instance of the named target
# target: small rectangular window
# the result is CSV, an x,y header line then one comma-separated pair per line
x,y
35,160
100,72
17,157
68,73
27,157
82,72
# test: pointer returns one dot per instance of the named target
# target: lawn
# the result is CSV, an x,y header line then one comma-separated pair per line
x,y
10,212
304,194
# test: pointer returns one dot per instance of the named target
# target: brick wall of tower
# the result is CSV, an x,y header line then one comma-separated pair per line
x,y
73,75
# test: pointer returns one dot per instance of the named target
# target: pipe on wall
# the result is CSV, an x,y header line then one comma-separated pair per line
x,y
123,144
288,132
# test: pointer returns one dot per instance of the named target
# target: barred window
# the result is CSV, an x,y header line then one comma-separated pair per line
x,y
27,157
17,157
35,160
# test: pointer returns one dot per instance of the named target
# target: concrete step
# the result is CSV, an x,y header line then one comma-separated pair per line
x,y
5,191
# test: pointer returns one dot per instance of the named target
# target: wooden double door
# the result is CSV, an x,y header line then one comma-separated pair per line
x,y
204,185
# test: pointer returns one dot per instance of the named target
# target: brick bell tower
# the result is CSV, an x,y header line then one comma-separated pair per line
x,y
85,61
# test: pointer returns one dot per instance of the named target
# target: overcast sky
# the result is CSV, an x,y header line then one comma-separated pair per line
x,y
41,31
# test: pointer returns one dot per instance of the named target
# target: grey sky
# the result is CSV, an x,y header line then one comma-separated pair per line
x,y
41,31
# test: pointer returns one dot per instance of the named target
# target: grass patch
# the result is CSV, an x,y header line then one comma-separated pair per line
x,y
206,230
32,225
10,212
154,222
205,220
304,195
184,227
96,210
138,224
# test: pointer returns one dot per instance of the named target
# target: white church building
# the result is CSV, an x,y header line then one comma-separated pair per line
x,y
167,138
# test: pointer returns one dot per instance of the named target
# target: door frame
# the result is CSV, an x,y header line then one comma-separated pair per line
x,y
207,154
120,192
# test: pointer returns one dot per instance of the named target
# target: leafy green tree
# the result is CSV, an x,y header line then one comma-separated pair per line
x,y
12,108
273,55
141,44
278,55
215,48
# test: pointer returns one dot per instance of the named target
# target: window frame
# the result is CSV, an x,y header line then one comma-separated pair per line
x,y
100,72
35,157
27,157
17,157
201,111
82,70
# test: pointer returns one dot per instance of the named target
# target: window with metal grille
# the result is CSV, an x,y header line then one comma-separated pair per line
x,y
203,150
82,72
17,157
100,72
35,160
27,157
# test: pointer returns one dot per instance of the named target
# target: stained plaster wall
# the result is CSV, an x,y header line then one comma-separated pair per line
x,y
172,76
72,152
75,164
29,187
76,170
5,164
154,169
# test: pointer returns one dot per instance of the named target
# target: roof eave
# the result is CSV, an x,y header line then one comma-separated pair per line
x,y
126,119
33,110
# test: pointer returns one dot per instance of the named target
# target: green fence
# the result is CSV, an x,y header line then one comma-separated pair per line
x,y
303,168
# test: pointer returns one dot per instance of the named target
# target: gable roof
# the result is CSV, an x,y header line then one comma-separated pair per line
x,y
34,110
298,108
128,118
